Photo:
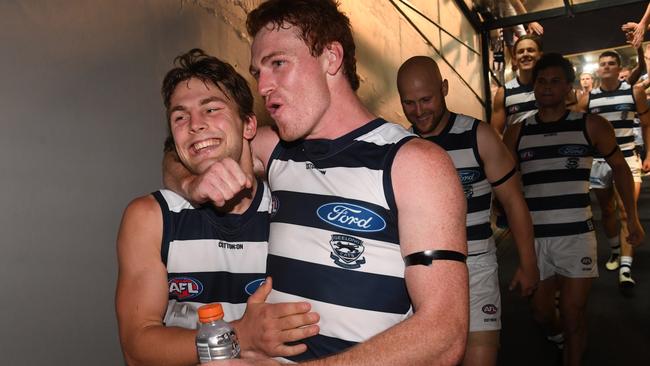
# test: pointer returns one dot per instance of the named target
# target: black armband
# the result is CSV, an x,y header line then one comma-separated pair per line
x,y
428,256
504,178
614,150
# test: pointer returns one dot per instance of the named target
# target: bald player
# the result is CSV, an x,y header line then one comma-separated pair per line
x,y
484,165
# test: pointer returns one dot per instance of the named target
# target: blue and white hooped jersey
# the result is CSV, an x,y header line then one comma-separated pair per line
x,y
334,239
459,140
618,107
211,256
555,162
519,102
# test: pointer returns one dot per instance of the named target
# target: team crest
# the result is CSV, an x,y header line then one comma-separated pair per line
x,y
513,109
468,190
572,163
347,251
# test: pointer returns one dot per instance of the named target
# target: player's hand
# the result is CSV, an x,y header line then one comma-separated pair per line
x,y
636,232
248,359
268,327
527,279
220,183
646,166
535,28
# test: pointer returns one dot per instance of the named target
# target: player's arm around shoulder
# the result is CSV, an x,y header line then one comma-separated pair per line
x,y
432,214
262,146
498,119
141,296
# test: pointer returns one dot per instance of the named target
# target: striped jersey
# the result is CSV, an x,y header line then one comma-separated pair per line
x,y
519,102
618,107
555,161
212,256
334,240
459,140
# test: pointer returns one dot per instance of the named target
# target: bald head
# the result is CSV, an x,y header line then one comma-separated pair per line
x,y
418,69
422,93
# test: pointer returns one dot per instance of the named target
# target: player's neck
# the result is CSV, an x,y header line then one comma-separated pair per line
x,y
609,84
552,113
525,77
345,114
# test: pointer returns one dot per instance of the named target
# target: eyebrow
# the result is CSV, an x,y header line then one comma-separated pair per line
x,y
264,59
181,108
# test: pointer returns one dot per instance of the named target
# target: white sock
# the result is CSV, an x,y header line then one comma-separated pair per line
x,y
615,244
626,263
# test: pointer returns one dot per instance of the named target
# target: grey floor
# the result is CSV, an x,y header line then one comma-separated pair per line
x,y
618,326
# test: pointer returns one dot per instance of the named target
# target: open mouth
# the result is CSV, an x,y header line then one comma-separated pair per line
x,y
205,144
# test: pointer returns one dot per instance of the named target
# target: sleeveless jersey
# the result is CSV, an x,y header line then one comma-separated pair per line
x,y
334,239
211,256
555,161
519,102
459,140
618,107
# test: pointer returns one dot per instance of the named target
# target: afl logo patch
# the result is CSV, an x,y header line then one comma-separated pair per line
x,y
350,217
586,261
572,150
526,154
468,176
252,286
489,309
183,288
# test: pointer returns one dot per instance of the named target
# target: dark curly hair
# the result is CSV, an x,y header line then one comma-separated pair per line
x,y
555,60
197,64
320,23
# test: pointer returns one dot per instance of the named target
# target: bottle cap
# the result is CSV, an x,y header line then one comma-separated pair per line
x,y
210,312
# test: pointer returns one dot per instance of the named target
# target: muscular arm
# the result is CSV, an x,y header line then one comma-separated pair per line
x,y
641,107
431,215
602,136
141,297
498,162
498,120
583,103
639,69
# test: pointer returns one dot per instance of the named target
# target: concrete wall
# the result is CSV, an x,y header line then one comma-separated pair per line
x,y
81,134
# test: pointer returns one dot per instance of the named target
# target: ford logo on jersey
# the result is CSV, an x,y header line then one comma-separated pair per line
x,y
252,286
468,176
350,217
572,150
624,107
184,288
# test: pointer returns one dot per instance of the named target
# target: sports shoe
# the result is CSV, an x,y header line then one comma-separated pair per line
x,y
625,280
613,262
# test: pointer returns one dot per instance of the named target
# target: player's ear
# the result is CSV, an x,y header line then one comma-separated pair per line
x,y
250,127
444,88
334,57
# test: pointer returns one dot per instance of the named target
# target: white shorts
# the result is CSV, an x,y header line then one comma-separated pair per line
x,y
484,295
601,174
572,256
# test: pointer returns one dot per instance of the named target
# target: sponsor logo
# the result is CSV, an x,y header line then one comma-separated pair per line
x,y
594,110
347,251
252,286
310,166
572,163
468,176
573,150
623,107
489,309
590,224
350,217
526,154
586,261
184,288
231,246
275,205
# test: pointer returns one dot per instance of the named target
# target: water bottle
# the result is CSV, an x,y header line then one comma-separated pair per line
x,y
216,339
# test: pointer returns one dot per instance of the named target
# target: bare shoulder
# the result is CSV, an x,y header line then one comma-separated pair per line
x,y
419,153
141,229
